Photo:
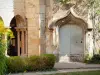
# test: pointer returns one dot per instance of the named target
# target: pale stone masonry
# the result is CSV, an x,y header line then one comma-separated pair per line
x,y
37,26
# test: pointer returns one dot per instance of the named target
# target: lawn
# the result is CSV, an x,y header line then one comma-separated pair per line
x,y
80,73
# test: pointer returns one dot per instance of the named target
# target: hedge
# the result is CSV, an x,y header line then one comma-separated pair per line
x,y
33,63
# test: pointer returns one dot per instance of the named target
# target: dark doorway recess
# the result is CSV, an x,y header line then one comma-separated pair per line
x,y
12,51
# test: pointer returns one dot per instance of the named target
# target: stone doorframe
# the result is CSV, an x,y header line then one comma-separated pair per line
x,y
70,18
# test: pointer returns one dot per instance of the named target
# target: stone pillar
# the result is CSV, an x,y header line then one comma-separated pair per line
x,y
50,42
18,39
22,43
89,43
26,40
42,25
33,26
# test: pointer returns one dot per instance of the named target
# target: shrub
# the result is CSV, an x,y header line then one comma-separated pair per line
x,y
15,64
33,63
43,62
49,60
95,59
2,57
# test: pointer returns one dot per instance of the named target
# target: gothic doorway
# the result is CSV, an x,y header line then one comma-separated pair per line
x,y
70,32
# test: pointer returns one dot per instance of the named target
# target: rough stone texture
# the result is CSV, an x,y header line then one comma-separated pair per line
x,y
39,16
79,9
32,26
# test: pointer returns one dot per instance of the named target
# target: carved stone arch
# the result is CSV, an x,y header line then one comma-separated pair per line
x,y
19,42
71,19
20,22
68,18
66,15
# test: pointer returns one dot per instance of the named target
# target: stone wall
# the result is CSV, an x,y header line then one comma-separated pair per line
x,y
32,17
49,33
37,14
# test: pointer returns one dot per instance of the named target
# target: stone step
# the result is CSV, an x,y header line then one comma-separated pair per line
x,y
64,59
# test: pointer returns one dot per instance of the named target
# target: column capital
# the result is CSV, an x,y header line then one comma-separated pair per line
x,y
17,29
20,28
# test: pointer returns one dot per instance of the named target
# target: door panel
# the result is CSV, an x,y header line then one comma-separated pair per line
x,y
65,40
76,40
71,41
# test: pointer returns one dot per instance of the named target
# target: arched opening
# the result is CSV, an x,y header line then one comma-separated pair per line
x,y
12,50
17,45
72,31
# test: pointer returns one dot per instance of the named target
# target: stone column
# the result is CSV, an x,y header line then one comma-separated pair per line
x,y
26,51
18,39
42,25
25,42
22,43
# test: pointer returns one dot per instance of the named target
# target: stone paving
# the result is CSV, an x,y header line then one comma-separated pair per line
x,y
75,65
54,72
66,67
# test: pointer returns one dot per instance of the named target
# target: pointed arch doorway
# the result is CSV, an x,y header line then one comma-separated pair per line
x,y
70,37
72,32
18,44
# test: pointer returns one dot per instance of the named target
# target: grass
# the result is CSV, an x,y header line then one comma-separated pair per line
x,y
80,73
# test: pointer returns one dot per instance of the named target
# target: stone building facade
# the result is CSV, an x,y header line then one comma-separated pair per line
x,y
38,26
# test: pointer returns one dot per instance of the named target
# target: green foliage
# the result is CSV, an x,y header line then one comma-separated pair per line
x,y
2,49
33,63
10,33
1,26
15,64
95,59
49,60
2,57
43,62
87,58
94,5
3,30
